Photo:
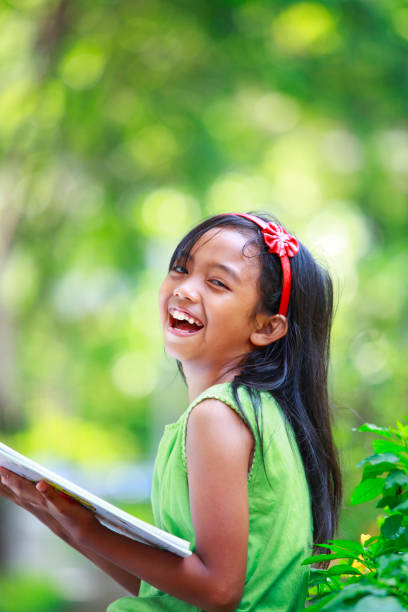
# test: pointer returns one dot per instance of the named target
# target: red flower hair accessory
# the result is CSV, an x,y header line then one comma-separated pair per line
x,y
283,244
279,241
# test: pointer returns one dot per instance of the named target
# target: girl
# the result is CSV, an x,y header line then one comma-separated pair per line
x,y
249,473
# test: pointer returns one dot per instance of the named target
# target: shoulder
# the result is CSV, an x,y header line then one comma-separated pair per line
x,y
217,422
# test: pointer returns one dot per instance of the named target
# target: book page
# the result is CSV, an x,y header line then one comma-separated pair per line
x,y
108,515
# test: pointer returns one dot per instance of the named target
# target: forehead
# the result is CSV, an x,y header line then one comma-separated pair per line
x,y
225,244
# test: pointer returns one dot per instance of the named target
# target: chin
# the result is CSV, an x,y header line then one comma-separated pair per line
x,y
182,353
172,352
176,352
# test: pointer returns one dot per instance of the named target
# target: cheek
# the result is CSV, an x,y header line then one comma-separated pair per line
x,y
235,321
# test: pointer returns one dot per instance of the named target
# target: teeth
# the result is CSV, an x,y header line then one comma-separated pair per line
x,y
181,316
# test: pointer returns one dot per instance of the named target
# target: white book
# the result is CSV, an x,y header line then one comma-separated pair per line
x,y
107,514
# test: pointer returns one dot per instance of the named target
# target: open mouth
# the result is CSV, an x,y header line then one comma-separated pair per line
x,y
184,326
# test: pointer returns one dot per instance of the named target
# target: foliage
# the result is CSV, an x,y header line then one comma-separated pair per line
x,y
373,574
30,593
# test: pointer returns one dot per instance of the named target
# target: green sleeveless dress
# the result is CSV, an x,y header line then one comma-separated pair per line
x,y
280,518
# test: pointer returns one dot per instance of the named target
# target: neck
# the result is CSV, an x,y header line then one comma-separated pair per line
x,y
200,378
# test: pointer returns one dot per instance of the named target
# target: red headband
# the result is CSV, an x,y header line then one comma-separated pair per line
x,y
284,245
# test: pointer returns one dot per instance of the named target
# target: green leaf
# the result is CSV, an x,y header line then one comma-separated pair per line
x,y
353,591
344,553
366,490
317,580
370,541
389,500
403,429
321,603
375,429
357,597
371,471
379,459
342,568
402,506
349,545
391,525
396,477
327,557
385,446
388,561
378,604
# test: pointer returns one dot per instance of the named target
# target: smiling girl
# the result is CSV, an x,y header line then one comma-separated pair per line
x,y
249,472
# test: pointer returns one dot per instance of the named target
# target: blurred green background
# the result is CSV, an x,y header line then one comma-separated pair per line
x,y
122,124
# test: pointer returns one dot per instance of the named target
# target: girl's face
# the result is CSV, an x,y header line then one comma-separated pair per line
x,y
207,304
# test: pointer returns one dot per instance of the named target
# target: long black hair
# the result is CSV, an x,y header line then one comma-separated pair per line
x,y
293,369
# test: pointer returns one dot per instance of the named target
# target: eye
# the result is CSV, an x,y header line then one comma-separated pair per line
x,y
179,269
218,283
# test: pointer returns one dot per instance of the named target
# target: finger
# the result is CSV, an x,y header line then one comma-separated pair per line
x,y
4,474
74,519
9,479
55,494
55,498
39,510
22,489
6,492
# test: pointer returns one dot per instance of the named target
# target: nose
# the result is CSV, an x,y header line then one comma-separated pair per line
x,y
186,291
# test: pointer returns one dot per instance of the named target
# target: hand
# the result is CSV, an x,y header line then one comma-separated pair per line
x,y
68,519
19,490
62,514
24,493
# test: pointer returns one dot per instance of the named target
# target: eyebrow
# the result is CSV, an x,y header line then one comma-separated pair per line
x,y
214,264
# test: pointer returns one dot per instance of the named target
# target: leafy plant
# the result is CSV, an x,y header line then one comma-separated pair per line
x,y
31,593
371,574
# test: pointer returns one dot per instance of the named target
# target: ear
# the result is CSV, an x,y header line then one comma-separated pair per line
x,y
269,329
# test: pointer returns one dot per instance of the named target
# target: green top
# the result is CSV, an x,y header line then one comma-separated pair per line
x,y
280,518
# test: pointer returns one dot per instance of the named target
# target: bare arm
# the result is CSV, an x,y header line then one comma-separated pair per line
x,y
218,448
128,581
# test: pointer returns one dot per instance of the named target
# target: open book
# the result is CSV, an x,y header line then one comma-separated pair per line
x,y
108,515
